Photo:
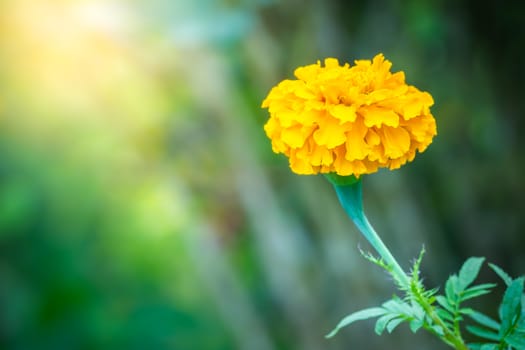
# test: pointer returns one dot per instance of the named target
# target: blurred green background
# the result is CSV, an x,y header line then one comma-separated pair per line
x,y
141,206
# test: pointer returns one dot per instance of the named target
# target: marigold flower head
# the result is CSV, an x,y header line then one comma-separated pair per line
x,y
348,120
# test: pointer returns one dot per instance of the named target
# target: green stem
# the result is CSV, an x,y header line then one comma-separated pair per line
x,y
349,192
350,197
449,336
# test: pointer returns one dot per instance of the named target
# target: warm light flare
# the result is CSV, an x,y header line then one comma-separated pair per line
x,y
81,87
66,48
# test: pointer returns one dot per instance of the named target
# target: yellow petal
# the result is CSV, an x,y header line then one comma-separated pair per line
x,y
343,113
331,62
412,109
314,104
342,166
300,166
331,94
378,95
293,137
271,127
310,117
397,163
359,167
379,60
396,79
321,156
305,93
307,73
330,134
278,146
396,141
356,147
377,116
286,118
372,138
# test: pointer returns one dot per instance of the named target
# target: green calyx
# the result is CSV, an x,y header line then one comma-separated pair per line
x,y
338,180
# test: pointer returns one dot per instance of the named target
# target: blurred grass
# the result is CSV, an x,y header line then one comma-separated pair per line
x,y
140,203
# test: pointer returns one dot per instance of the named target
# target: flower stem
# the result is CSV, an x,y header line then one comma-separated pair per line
x,y
448,336
350,197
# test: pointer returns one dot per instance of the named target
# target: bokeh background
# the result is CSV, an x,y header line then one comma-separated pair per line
x,y
141,206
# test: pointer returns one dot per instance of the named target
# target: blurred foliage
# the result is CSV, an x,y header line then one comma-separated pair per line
x,y
140,203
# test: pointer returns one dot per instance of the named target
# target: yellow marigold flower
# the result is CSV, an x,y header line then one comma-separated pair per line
x,y
348,120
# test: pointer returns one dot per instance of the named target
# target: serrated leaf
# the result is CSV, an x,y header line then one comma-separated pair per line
x,y
415,325
429,293
502,274
484,320
483,333
418,311
466,311
382,322
489,347
445,315
520,332
451,288
357,316
516,340
481,286
445,303
398,306
484,346
393,324
521,323
510,308
469,271
473,293
438,329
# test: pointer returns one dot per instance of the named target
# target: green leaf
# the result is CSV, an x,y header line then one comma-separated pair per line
x,y
521,323
438,329
458,317
383,321
510,308
481,286
445,303
469,271
516,340
484,346
489,347
483,333
429,294
484,320
357,316
502,274
477,291
393,324
415,325
417,311
398,306
451,288
465,311
445,315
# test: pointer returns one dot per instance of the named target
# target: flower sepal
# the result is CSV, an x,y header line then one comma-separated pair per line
x,y
338,180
